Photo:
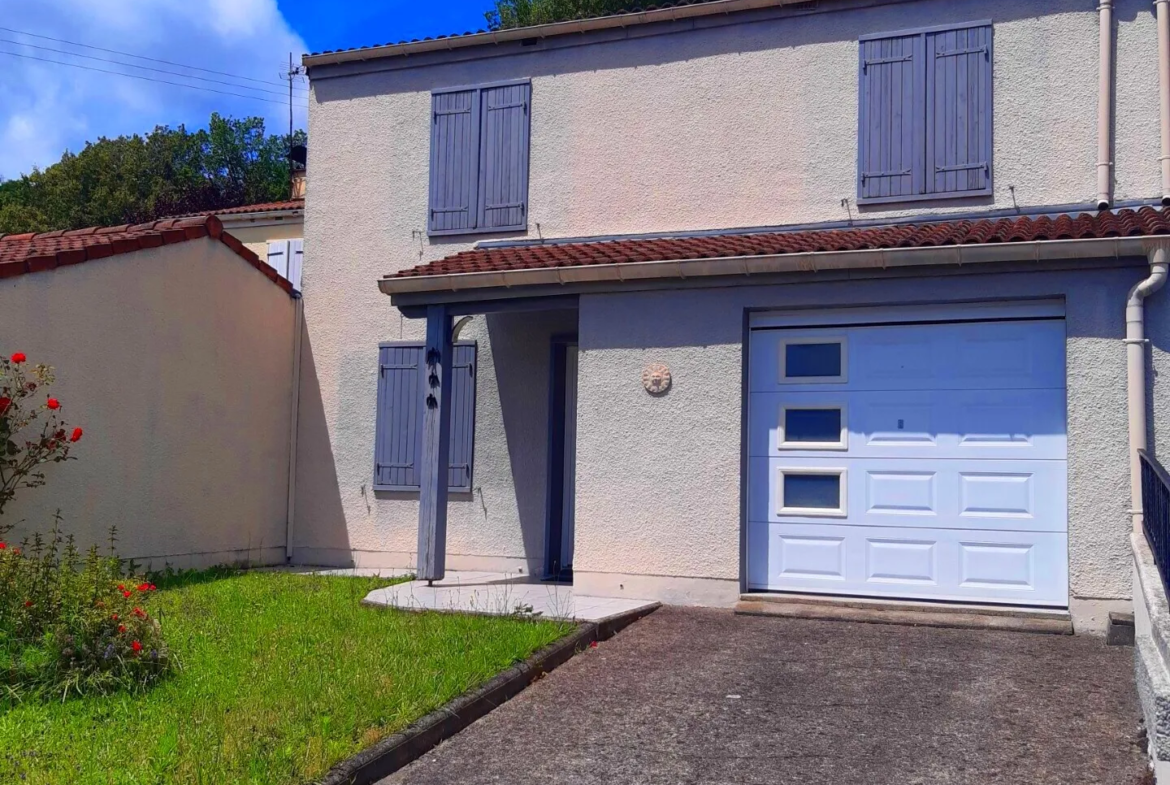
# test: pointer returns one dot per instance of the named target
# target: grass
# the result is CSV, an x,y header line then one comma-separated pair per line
x,y
282,677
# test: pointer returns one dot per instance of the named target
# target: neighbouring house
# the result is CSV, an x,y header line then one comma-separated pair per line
x,y
274,231
174,350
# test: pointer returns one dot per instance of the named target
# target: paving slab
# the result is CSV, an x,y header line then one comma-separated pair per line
x,y
502,594
705,696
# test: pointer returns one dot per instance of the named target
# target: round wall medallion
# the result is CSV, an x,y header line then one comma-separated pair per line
x,y
656,378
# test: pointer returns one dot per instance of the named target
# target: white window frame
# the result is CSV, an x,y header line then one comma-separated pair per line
x,y
842,442
805,339
841,511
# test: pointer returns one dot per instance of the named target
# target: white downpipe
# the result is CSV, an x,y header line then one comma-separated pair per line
x,y
1135,350
298,322
1105,108
1163,13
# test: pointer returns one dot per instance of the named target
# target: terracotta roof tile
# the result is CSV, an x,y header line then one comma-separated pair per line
x,y
1145,221
33,253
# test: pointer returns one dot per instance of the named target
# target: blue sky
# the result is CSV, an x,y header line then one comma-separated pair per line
x,y
75,70
323,26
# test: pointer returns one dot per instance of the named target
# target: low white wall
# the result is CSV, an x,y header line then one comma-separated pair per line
x,y
1152,631
177,363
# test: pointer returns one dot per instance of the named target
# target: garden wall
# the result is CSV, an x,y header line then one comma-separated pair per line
x,y
177,362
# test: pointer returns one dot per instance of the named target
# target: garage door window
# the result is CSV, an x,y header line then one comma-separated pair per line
x,y
813,427
816,492
812,360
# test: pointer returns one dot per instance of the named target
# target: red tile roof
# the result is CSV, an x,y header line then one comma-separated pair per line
x,y
34,253
1145,221
245,209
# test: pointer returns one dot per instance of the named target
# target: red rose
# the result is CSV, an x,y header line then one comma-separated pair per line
x,y
121,587
4,404
144,587
114,616
121,628
28,603
2,546
136,646
53,404
76,437
153,587
18,358
126,594
140,613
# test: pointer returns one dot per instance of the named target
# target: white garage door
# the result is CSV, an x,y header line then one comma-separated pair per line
x,y
902,454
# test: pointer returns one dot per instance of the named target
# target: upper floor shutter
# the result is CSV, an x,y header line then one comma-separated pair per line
x,y
503,163
398,422
454,187
462,417
958,110
296,256
890,135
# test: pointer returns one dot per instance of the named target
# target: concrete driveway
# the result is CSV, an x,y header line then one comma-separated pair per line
x,y
702,696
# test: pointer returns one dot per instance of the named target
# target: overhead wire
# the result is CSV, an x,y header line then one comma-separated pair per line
x,y
284,102
144,67
140,57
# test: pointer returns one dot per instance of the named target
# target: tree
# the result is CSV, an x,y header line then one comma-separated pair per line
x,y
522,13
134,179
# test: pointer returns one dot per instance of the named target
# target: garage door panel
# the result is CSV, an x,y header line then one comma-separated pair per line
x,y
1027,568
914,460
986,355
984,424
916,493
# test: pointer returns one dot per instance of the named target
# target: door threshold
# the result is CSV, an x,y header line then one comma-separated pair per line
x,y
1051,621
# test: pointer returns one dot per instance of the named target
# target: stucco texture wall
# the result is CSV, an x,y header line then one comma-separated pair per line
x,y
658,479
746,124
732,126
177,362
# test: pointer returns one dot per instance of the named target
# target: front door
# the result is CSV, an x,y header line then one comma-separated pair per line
x,y
562,461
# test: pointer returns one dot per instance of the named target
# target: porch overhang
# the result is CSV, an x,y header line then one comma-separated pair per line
x,y
527,269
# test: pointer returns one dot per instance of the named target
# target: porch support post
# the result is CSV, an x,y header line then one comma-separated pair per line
x,y
436,445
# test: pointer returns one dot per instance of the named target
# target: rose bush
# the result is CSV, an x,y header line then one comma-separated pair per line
x,y
68,625
32,431
71,625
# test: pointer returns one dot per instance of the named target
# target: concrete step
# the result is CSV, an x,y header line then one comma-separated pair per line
x,y
919,614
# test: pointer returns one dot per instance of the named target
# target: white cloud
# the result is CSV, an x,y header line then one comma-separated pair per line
x,y
47,108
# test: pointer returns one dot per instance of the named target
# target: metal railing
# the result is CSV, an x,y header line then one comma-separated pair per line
x,y
1156,513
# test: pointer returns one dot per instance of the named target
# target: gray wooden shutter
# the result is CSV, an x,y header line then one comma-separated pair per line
x,y
503,162
454,161
890,134
958,110
463,372
399,417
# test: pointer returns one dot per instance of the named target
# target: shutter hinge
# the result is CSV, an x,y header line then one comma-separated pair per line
x,y
883,60
867,175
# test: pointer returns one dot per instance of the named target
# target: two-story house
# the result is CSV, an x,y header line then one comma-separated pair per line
x,y
746,296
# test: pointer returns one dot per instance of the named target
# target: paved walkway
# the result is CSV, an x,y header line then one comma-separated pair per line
x,y
702,696
501,594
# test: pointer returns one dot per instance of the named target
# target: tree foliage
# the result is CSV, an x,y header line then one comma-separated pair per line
x,y
522,13
169,171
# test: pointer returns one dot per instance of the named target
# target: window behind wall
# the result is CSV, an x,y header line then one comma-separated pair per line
x,y
398,424
925,114
479,159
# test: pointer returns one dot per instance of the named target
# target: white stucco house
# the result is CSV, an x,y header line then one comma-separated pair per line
x,y
744,297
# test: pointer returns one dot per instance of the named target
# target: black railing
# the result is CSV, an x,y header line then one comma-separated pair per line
x,y
1156,513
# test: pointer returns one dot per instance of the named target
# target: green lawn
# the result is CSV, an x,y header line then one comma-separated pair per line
x,y
282,677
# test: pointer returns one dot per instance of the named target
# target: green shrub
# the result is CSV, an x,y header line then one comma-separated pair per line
x,y
74,626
